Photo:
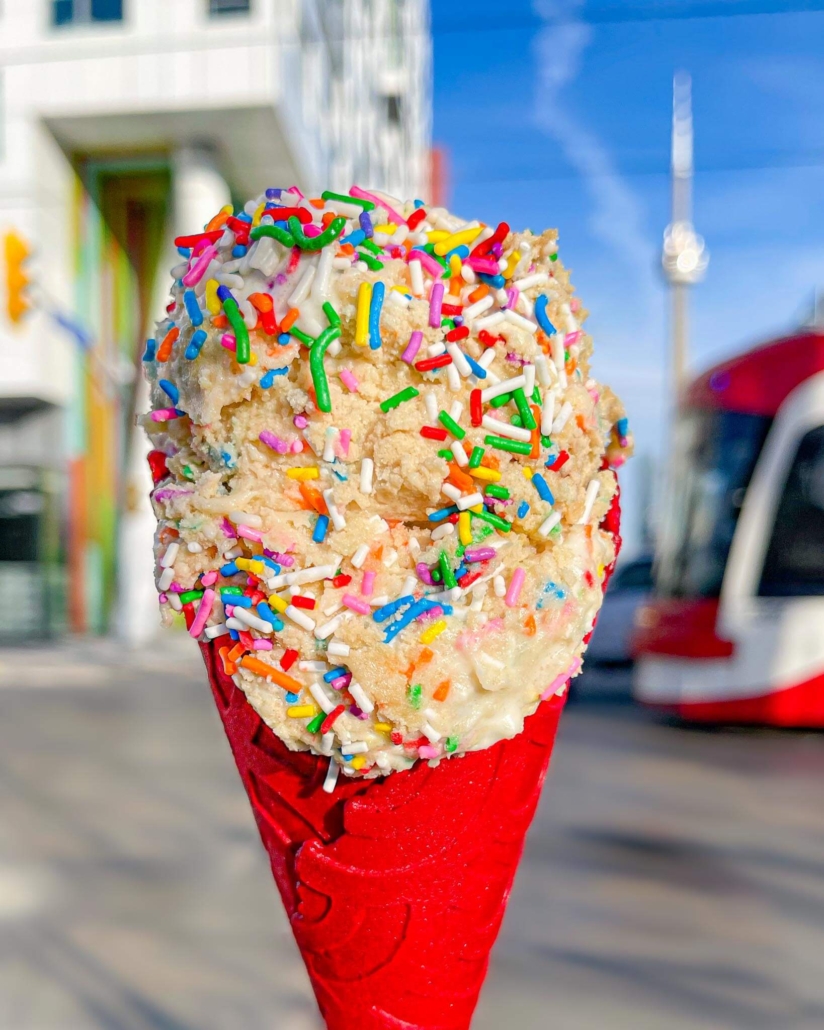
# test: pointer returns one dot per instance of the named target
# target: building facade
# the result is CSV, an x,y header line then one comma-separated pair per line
x,y
122,123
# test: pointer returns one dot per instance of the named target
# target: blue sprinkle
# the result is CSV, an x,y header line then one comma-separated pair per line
x,y
442,513
266,613
229,569
151,350
523,508
366,224
339,670
273,565
375,305
195,344
541,486
462,252
355,237
170,390
233,633
238,250
461,571
224,293
243,217
192,307
477,370
185,252
622,425
284,338
542,317
237,600
340,476
321,528
273,193
268,378
410,615
292,698
497,281
228,460
382,614
418,203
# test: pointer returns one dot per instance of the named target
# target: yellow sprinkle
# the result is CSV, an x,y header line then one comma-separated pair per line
x,y
434,630
465,527
456,239
302,712
256,217
310,472
252,358
455,265
514,258
600,571
212,303
358,762
436,235
387,229
527,473
383,727
257,568
362,317
402,289
482,472
476,508
277,602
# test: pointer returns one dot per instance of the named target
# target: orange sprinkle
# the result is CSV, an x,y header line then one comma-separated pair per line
x,y
426,655
228,667
489,461
460,479
313,499
346,250
220,322
529,625
317,202
261,301
327,219
442,690
479,293
236,652
271,673
536,432
408,671
580,422
164,351
218,221
289,319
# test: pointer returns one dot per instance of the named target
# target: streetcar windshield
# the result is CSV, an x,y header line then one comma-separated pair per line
x,y
714,456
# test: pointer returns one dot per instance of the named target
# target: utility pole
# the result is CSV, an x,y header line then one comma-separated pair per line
x,y
684,257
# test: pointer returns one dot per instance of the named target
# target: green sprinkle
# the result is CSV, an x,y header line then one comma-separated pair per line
x,y
451,745
501,443
371,263
493,520
448,324
190,595
496,491
371,246
475,457
536,397
299,334
316,355
449,580
235,318
187,472
500,400
414,695
516,420
482,533
399,398
281,235
553,257
446,454
367,205
234,591
331,314
315,724
329,234
524,410
449,423
546,441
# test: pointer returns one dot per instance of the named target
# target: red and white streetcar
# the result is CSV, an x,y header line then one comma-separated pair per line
x,y
735,629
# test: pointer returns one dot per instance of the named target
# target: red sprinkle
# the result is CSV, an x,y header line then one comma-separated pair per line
x,y
453,518
303,602
433,433
469,578
439,361
420,742
341,581
415,219
559,462
487,339
451,309
280,214
458,333
157,465
189,614
332,718
289,658
246,639
191,241
485,246
397,738
476,412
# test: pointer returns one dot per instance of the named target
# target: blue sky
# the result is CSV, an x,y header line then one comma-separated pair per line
x,y
557,112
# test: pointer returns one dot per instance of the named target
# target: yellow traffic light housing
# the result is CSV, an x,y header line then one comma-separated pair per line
x,y
16,252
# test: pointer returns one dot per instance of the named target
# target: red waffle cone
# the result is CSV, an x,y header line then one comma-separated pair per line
x,y
395,888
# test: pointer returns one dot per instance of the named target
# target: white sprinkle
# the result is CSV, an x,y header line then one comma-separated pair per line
x,y
359,557
562,418
390,558
366,470
478,308
435,349
467,274
416,277
329,443
361,700
506,386
445,529
216,631
414,547
542,369
312,666
499,586
530,280
193,547
333,608
470,501
338,521
319,694
506,429
431,403
328,628
558,357
493,663
175,602
313,574
299,618
232,553
529,379
327,742
453,378
410,583
451,491
341,263
589,501
338,648
456,410
254,621
459,360
460,454
399,236
547,412
166,579
355,747
520,321
331,776
549,523
379,600
168,558
486,323
320,287
430,732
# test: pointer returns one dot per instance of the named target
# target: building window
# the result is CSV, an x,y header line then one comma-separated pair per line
x,y
229,7
84,12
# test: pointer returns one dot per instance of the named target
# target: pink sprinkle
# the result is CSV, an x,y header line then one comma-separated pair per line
x,y
162,598
513,293
575,304
177,588
345,439
559,681
202,244
342,682
198,269
349,381
427,262
368,584
204,610
356,191
354,710
301,421
283,559
228,609
296,190
361,607
164,414
297,446
427,751
484,265
311,230
479,553
167,492
228,341
412,348
572,338
275,442
228,529
515,585
262,645
435,301
430,613
423,572
250,534
208,578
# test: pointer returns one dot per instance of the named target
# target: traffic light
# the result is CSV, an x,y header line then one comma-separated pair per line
x,y
16,252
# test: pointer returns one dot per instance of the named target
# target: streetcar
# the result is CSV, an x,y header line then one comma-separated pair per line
x,y
734,629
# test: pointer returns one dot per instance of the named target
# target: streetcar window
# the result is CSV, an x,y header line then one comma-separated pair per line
x,y
714,456
794,566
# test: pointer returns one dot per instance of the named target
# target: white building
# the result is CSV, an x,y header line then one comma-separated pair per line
x,y
123,122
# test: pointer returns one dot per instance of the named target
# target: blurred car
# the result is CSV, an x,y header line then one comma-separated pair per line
x,y
608,660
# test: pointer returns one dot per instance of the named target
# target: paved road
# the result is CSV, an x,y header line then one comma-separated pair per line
x,y
673,879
